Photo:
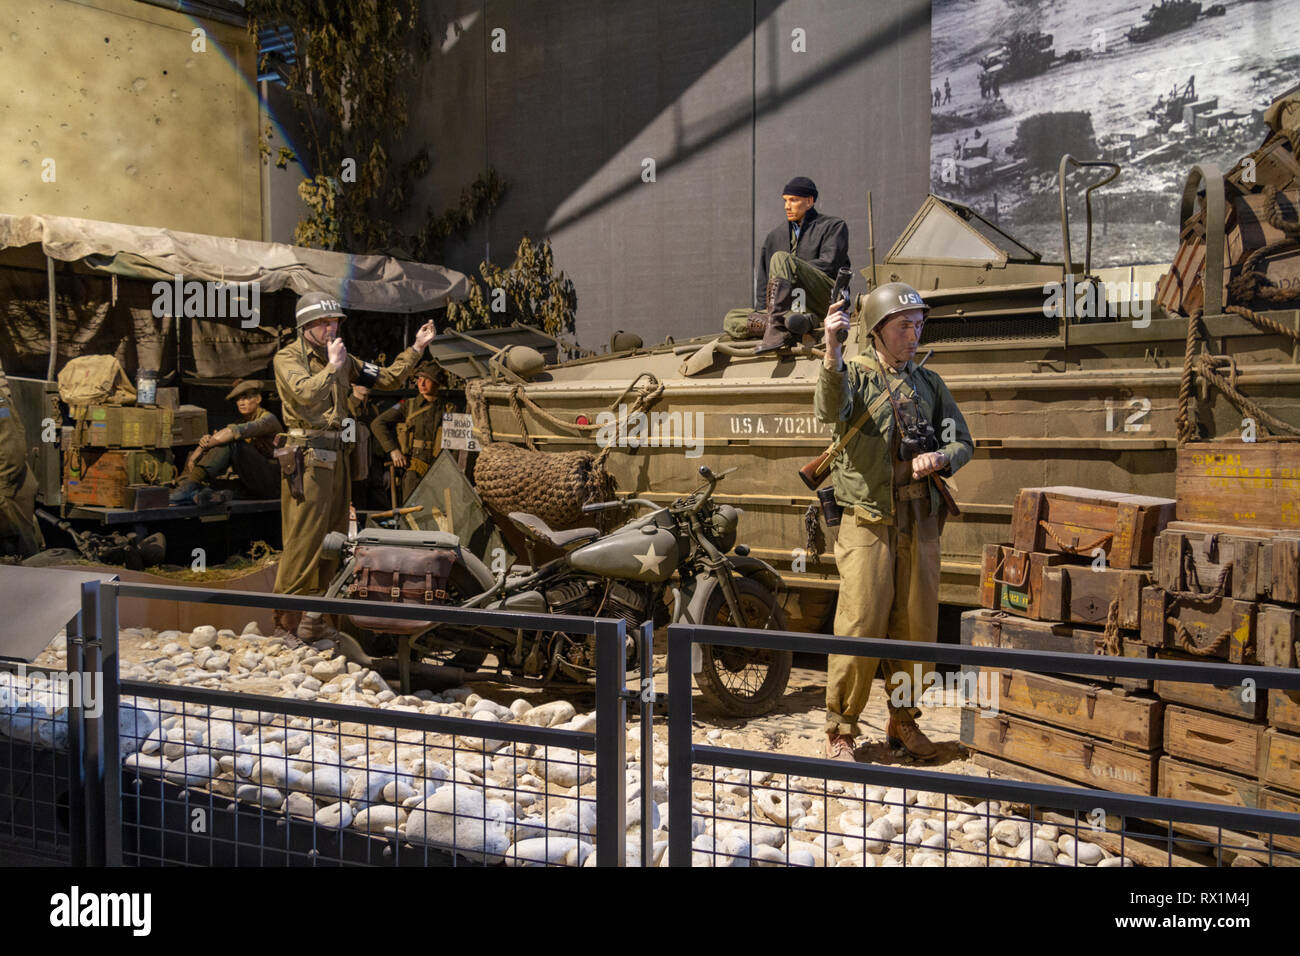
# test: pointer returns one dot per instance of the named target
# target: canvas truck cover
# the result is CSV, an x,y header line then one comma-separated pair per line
x,y
94,316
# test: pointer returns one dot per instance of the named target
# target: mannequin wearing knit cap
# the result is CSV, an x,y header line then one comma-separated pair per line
x,y
806,251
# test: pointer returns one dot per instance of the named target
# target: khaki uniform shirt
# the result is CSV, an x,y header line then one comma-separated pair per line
x,y
864,473
314,395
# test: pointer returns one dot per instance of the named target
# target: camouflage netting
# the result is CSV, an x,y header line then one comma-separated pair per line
x,y
552,486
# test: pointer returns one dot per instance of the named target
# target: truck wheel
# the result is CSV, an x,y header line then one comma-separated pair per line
x,y
741,681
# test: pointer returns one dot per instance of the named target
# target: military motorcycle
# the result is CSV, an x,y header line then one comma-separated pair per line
x,y
679,563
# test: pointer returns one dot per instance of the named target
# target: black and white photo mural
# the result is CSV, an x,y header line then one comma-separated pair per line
x,y
1156,88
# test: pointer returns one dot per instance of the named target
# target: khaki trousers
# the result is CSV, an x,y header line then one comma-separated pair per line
x,y
304,524
816,284
889,588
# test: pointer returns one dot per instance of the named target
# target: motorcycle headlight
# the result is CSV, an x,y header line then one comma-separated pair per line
x,y
724,522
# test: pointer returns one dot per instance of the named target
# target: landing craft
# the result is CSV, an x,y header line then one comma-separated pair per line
x,y
1052,398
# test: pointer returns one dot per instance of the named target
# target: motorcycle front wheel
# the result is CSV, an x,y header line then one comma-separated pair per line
x,y
743,681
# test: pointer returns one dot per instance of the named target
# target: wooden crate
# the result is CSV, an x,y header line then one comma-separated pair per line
x,y
1284,709
1280,761
1012,580
984,628
1224,743
1223,628
1180,780
1283,568
1276,631
1095,763
102,477
1288,803
1270,571
1083,595
124,426
1255,484
1088,708
1234,700
1211,553
189,424
1080,520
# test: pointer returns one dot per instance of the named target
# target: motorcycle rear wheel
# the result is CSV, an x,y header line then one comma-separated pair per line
x,y
741,681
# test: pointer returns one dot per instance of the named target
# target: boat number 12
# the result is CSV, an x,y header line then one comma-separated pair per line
x,y
1141,407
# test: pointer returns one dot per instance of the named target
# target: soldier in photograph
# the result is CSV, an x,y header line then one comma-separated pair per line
x,y
315,376
887,551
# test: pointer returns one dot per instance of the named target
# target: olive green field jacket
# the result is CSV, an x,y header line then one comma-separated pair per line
x,y
863,471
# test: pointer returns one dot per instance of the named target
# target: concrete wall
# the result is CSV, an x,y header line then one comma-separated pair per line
x,y
587,90
141,127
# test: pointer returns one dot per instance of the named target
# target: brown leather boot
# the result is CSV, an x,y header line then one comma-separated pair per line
x,y
285,623
840,747
316,627
757,325
903,734
780,294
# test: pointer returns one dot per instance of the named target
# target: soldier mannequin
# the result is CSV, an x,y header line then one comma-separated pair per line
x,y
314,376
421,417
245,444
19,532
887,551
804,252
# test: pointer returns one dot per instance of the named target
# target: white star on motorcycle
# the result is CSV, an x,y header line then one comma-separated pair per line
x,y
650,561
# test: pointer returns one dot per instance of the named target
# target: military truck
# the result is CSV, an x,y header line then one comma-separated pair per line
x,y
1066,376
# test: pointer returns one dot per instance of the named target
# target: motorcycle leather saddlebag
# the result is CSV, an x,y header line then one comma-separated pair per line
x,y
400,575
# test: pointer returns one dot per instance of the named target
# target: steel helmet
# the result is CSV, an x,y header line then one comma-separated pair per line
x,y
887,300
316,305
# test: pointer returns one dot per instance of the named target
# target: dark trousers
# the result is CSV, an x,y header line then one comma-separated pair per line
x,y
259,475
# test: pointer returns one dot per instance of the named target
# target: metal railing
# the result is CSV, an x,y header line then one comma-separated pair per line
x,y
68,795
774,787
154,814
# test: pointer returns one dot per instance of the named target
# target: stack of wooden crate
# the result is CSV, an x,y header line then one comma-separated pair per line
x,y
1071,580
1226,586
112,452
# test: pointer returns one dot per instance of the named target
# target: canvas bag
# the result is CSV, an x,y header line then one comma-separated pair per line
x,y
94,380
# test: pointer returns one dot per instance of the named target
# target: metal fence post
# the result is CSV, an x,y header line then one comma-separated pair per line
x,y
111,752
647,705
78,833
92,769
680,759
611,743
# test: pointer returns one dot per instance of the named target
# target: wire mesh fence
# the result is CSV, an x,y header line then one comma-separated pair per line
x,y
869,816
755,808
226,779
36,767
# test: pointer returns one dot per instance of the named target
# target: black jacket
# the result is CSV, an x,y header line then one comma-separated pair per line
x,y
823,242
